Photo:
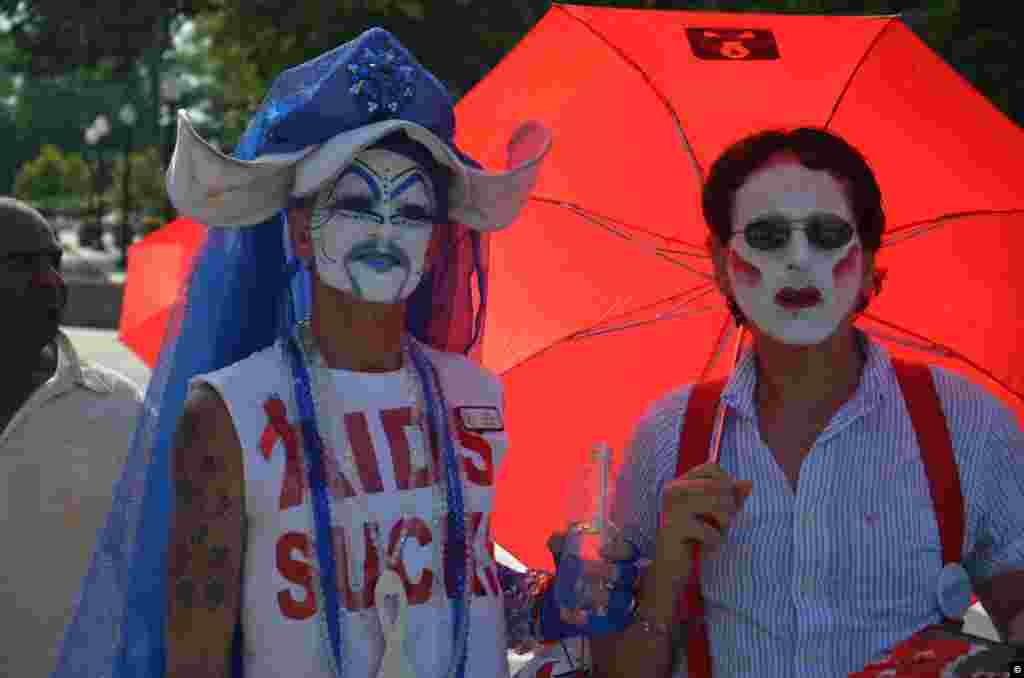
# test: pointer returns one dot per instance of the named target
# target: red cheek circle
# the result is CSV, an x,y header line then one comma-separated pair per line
x,y
746,273
848,268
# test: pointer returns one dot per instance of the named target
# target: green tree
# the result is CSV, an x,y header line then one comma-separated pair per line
x,y
251,42
146,188
123,41
58,36
57,107
53,179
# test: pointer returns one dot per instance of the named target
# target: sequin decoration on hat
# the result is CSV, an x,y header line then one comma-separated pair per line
x,y
383,82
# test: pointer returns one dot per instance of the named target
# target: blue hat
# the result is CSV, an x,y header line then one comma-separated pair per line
x,y
319,115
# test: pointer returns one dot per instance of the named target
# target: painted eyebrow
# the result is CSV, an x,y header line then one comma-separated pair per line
x,y
416,177
364,173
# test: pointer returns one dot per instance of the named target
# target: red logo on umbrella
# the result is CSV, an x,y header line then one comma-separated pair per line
x,y
732,43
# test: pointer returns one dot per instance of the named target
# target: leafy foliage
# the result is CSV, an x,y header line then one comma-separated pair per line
x,y
56,35
52,176
461,40
146,186
82,59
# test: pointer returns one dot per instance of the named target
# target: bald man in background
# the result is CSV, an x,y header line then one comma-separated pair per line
x,y
65,429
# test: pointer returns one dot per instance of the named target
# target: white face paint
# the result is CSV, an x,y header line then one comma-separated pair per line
x,y
371,227
789,190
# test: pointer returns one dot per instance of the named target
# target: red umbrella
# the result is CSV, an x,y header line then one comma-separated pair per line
x,y
600,295
157,267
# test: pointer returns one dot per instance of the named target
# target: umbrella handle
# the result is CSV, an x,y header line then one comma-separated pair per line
x,y
713,456
716,440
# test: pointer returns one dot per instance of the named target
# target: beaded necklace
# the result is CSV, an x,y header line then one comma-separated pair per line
x,y
307,361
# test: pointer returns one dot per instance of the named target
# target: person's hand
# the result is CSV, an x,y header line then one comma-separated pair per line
x,y
618,549
609,583
697,507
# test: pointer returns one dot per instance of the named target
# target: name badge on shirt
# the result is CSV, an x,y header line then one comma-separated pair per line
x,y
417,446
480,419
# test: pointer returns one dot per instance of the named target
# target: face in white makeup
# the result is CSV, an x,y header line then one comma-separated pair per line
x,y
371,227
797,293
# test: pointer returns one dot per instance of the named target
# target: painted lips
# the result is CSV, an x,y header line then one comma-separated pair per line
x,y
791,298
379,261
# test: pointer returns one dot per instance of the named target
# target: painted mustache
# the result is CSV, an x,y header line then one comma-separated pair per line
x,y
372,255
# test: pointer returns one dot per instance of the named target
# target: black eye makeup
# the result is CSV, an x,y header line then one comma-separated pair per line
x,y
354,203
824,231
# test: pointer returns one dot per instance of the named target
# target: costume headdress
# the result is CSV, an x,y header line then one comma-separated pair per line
x,y
315,119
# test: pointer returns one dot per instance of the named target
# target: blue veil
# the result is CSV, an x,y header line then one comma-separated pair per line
x,y
243,292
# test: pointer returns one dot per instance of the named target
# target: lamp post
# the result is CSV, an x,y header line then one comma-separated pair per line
x,y
170,91
128,117
95,133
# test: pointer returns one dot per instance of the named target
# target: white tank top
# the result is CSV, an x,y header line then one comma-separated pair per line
x,y
283,624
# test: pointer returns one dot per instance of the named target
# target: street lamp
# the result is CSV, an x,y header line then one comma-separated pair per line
x,y
95,133
128,117
170,91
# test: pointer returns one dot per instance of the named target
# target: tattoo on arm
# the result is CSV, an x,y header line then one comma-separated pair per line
x,y
216,593
186,491
218,556
185,592
207,538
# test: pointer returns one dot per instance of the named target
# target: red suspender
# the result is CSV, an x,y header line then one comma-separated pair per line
x,y
929,424
694,444
937,453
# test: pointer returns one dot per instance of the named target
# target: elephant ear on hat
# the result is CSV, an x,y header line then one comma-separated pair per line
x,y
219,190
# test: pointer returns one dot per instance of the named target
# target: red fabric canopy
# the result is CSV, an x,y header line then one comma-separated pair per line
x,y
157,267
641,102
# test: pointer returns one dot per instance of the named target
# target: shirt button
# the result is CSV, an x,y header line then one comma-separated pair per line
x,y
953,590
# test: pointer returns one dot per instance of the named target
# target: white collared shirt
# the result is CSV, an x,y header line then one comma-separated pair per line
x,y
60,456
820,581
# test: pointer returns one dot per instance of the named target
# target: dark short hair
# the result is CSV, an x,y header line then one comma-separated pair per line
x,y
399,142
16,213
815,149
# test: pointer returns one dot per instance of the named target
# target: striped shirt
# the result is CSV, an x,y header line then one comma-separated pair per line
x,y
821,581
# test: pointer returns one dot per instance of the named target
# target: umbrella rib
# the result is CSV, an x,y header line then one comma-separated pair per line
x,y
603,222
922,343
939,349
650,83
916,228
694,293
598,217
723,338
589,334
856,69
584,333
